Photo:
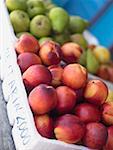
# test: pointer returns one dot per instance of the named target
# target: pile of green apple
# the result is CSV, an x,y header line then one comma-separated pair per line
x,y
45,20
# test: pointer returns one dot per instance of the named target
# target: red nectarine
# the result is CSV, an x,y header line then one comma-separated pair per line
x,y
69,128
107,113
44,125
96,92
74,76
95,136
35,75
50,53
87,112
42,99
25,60
109,143
66,99
71,52
56,72
27,43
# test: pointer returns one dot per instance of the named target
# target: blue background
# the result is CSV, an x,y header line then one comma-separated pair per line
x,y
103,28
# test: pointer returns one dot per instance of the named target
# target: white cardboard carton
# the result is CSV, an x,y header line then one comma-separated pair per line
x,y
20,116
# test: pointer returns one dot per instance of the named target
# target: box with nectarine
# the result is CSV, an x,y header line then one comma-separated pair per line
x,y
66,106
53,106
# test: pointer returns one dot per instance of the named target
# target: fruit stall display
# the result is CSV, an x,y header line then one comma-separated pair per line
x,y
63,104
66,106
46,21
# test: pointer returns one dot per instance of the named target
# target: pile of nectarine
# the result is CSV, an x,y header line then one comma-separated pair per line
x,y
65,104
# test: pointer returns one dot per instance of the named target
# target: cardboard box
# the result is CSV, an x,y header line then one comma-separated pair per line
x,y
20,116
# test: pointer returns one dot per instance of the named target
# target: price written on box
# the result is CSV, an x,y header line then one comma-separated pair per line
x,y
19,113
14,98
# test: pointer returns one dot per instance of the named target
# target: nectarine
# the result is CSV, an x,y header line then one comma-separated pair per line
x,y
69,128
74,76
66,99
109,143
107,113
35,75
71,52
44,125
87,112
95,136
50,53
96,92
42,99
25,60
27,43
56,72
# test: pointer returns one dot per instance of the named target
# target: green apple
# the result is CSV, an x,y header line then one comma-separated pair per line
x,y
77,24
20,21
79,39
47,2
59,19
43,39
40,26
16,4
62,38
50,6
18,35
87,23
35,7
